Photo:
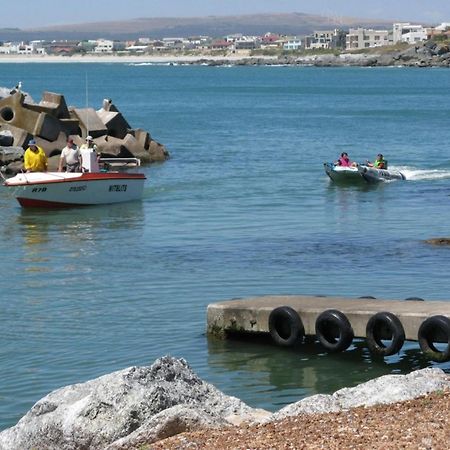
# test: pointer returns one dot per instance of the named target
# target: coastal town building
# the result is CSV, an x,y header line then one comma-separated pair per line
x,y
292,44
406,32
22,48
359,38
104,46
325,40
353,39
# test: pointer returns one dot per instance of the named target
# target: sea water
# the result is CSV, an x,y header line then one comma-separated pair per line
x,y
242,208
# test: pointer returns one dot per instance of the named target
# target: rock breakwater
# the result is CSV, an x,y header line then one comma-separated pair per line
x,y
142,405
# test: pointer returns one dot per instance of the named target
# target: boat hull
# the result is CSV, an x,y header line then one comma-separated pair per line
x,y
373,175
56,190
341,174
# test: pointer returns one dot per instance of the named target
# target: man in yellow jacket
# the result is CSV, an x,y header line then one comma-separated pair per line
x,y
34,159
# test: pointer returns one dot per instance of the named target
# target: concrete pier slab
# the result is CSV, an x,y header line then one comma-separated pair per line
x,y
251,315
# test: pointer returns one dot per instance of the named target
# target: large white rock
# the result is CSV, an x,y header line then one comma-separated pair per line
x,y
382,390
130,405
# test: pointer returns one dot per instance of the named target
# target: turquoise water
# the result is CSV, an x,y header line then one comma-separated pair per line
x,y
243,208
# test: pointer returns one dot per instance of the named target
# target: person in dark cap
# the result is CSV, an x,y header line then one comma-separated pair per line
x,y
34,159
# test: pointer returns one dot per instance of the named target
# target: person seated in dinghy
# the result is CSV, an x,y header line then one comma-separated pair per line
x,y
379,163
344,161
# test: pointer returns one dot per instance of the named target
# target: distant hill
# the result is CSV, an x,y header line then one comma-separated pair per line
x,y
257,24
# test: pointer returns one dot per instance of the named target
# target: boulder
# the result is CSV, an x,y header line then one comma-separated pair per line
x,y
124,408
443,241
382,390
10,154
156,152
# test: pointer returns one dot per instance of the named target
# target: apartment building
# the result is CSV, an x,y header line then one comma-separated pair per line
x,y
358,38
405,32
325,39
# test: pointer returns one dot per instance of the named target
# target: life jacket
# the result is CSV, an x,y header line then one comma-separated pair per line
x,y
380,162
344,162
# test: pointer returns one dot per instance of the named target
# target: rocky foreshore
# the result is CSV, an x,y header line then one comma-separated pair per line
x,y
429,54
140,406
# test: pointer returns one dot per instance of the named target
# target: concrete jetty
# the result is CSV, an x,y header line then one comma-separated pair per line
x,y
304,315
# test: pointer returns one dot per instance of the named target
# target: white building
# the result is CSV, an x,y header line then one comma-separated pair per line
x,y
22,48
292,44
405,32
104,46
358,38
444,26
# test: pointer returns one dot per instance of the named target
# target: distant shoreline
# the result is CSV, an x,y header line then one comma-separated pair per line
x,y
423,55
23,59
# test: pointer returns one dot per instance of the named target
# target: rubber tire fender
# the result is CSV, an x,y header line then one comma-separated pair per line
x,y
426,331
374,338
285,326
334,320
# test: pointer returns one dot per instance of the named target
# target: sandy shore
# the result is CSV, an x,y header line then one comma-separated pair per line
x,y
167,59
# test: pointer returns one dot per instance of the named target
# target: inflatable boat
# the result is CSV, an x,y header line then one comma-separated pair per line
x,y
361,173
373,175
342,174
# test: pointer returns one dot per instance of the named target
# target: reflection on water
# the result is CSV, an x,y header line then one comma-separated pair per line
x,y
303,370
59,240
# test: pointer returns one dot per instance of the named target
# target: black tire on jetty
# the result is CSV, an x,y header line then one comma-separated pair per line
x,y
432,330
285,326
384,326
334,331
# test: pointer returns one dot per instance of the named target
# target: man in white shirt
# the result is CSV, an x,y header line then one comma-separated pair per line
x,y
70,157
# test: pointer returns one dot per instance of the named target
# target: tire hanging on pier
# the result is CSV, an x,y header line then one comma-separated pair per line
x,y
385,326
432,330
285,326
334,331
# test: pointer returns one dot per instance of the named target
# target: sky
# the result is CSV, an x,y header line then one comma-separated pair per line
x,y
40,13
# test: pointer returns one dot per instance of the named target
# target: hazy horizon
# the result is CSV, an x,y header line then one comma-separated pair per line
x,y
28,14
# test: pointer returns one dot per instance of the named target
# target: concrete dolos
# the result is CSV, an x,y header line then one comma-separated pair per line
x,y
51,121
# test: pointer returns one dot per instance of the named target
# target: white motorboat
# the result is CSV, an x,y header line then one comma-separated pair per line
x,y
63,189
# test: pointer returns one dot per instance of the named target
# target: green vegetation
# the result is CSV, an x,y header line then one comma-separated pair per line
x,y
441,39
281,52
400,46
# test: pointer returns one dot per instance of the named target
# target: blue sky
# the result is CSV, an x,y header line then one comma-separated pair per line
x,y
38,13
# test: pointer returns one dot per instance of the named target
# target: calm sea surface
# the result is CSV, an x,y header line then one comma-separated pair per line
x,y
243,208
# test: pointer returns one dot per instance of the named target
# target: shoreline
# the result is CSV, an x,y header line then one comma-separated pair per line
x,y
151,59
421,57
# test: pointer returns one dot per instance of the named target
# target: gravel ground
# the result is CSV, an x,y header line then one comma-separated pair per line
x,y
422,423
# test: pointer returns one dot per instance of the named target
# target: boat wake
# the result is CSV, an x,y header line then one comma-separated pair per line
x,y
412,174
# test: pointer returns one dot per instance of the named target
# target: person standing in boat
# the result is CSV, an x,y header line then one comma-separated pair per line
x,y
89,145
344,161
70,157
379,163
89,156
34,159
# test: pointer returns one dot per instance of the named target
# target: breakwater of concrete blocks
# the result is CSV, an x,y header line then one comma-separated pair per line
x,y
50,122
